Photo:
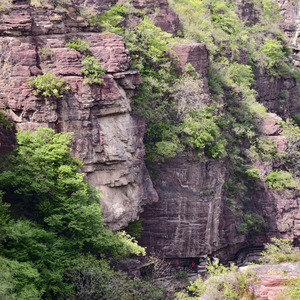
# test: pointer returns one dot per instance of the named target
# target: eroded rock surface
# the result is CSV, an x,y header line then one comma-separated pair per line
x,y
272,280
106,137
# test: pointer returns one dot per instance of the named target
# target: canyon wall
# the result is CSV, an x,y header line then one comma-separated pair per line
x,y
106,137
186,212
192,217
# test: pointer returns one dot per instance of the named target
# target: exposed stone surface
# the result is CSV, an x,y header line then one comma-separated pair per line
x,y
278,94
159,12
190,217
106,137
272,279
197,56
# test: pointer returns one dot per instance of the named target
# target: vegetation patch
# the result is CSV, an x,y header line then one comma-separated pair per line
x,y
5,123
48,85
79,45
221,283
55,220
45,52
92,70
281,179
280,250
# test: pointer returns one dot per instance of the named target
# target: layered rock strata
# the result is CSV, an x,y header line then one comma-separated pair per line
x,y
106,137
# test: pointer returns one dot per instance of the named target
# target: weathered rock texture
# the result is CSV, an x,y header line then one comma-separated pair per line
x,y
193,218
272,280
106,137
159,12
197,56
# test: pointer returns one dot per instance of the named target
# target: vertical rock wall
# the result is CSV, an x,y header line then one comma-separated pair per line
x,y
106,137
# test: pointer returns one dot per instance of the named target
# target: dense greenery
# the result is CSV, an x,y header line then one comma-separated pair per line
x,y
55,217
48,85
280,250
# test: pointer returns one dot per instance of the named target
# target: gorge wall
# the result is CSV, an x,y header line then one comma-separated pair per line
x,y
185,203
106,137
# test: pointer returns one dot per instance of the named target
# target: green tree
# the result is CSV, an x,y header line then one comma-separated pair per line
x,y
55,215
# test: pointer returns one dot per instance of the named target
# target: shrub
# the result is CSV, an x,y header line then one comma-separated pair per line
x,y
180,275
59,214
46,52
252,223
204,134
293,289
88,14
292,155
48,85
273,51
280,179
79,45
280,250
190,71
91,69
18,280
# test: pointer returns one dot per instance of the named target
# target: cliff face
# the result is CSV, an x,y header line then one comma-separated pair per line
x,y
191,217
106,137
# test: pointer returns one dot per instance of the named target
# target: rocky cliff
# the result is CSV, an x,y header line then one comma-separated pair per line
x,y
186,213
106,137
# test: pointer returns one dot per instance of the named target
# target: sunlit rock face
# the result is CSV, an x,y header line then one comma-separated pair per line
x,y
106,137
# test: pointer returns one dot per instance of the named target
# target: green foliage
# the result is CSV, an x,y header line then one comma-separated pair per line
x,y
241,74
264,148
48,85
181,275
292,155
273,51
134,228
222,283
5,123
79,45
280,250
252,223
92,70
293,290
55,215
204,134
281,179
18,280
190,71
94,279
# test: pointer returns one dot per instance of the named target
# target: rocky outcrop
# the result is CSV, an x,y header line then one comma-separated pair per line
x,y
279,94
272,279
159,12
106,137
193,217
197,56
